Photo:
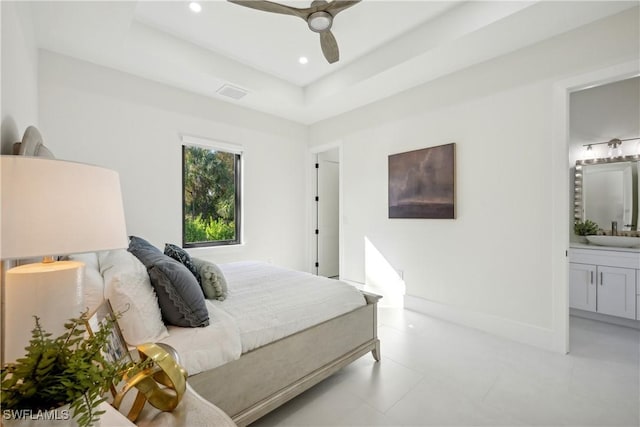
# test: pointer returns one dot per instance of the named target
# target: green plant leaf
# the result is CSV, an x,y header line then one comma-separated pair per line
x,y
68,369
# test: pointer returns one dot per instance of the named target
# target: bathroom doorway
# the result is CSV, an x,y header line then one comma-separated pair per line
x,y
597,107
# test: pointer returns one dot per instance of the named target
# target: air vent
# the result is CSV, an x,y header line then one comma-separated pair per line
x,y
232,91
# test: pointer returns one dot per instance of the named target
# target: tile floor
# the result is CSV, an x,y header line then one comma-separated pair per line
x,y
436,373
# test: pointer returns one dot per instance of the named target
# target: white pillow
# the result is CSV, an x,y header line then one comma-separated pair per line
x,y
128,288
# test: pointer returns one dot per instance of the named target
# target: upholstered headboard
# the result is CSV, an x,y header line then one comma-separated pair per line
x,y
32,145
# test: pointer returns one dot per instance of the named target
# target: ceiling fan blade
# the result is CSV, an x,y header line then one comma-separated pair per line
x,y
339,5
268,6
329,46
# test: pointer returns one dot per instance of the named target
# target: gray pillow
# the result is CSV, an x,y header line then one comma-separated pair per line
x,y
214,284
180,297
180,255
139,244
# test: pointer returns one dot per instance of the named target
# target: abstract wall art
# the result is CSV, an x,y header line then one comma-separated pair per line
x,y
422,183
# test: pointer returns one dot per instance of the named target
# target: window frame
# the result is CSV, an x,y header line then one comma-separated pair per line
x,y
238,154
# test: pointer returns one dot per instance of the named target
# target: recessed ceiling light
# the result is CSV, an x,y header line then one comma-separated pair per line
x,y
303,60
195,7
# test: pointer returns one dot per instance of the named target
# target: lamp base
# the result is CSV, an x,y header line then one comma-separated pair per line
x,y
52,291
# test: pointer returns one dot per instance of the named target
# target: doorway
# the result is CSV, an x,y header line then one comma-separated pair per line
x,y
561,198
327,208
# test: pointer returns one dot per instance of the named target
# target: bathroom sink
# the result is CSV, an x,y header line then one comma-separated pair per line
x,y
617,241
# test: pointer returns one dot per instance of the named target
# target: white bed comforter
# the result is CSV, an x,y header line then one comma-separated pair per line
x,y
201,349
269,302
264,303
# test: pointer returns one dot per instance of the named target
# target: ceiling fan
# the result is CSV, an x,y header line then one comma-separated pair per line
x,y
319,17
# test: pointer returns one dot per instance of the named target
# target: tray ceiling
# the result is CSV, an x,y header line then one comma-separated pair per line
x,y
385,46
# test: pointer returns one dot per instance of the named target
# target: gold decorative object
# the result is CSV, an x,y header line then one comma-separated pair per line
x,y
162,384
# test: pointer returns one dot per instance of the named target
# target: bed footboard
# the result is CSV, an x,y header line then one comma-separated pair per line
x,y
265,378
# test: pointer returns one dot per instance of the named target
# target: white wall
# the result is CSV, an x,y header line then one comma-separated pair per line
x,y
492,267
19,73
96,115
602,113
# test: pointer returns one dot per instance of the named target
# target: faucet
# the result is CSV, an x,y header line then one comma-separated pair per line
x,y
614,228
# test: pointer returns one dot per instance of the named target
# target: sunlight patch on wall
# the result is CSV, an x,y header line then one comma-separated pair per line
x,y
381,278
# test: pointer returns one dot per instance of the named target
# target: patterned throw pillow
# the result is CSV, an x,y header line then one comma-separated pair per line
x,y
179,295
214,284
180,255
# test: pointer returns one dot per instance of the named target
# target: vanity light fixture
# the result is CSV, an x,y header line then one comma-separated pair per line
x,y
615,147
589,154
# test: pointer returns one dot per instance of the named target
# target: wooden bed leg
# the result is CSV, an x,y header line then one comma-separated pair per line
x,y
376,351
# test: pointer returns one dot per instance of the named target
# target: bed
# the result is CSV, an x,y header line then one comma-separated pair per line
x,y
278,332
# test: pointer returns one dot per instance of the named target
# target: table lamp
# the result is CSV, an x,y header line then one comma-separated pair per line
x,y
51,208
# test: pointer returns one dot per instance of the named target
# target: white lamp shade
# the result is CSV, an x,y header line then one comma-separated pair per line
x,y
53,207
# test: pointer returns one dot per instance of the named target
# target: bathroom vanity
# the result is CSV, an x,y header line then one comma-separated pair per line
x,y
605,281
604,276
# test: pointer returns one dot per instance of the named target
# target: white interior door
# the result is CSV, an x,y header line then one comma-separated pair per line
x,y
328,211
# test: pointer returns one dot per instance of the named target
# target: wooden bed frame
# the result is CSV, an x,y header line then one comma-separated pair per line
x,y
265,378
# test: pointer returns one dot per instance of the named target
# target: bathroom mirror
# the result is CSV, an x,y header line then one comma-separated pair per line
x,y
607,190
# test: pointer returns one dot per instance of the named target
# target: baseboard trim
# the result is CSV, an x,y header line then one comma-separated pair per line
x,y
620,321
516,331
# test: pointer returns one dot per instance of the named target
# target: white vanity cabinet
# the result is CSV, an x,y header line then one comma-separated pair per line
x,y
582,286
605,281
638,294
616,291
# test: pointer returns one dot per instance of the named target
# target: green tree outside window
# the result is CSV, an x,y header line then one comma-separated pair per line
x,y
211,197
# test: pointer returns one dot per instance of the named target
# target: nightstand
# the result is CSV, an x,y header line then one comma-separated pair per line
x,y
193,410
112,417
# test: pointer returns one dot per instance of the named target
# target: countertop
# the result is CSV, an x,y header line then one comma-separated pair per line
x,y
578,245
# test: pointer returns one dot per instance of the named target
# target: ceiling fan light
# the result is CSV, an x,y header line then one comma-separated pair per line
x,y
320,21
195,7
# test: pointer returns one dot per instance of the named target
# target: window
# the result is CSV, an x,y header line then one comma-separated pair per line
x,y
210,196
